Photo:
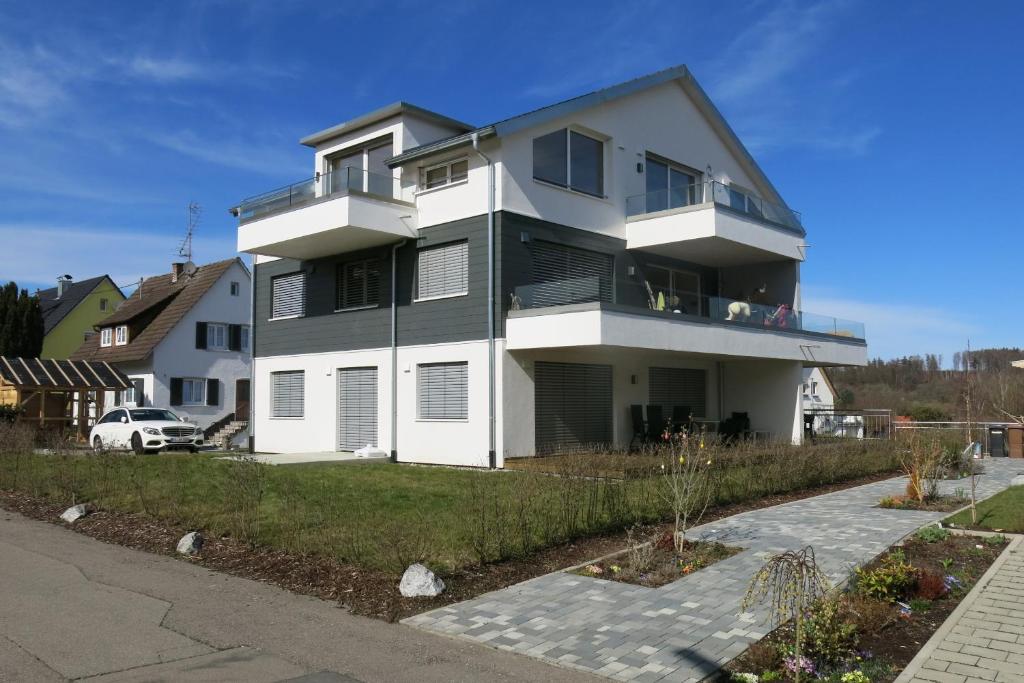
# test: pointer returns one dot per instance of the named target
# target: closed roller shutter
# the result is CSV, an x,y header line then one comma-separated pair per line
x,y
357,408
288,393
573,405
668,387
443,270
288,295
566,275
443,391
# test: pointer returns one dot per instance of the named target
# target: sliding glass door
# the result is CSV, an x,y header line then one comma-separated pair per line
x,y
669,186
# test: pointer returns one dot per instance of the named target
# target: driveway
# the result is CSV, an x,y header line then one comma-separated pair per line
x,y
72,607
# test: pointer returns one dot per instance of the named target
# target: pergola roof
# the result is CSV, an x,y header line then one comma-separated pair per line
x,y
69,375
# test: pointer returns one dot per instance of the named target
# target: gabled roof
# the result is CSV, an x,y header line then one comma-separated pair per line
x,y
55,310
35,373
166,302
680,74
386,112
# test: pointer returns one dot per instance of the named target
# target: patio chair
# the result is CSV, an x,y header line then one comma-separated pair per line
x,y
655,423
682,418
636,412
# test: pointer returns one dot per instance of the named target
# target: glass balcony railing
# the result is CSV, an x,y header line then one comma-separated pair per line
x,y
334,184
722,309
720,194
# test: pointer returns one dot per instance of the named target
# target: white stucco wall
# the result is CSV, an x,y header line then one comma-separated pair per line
x,y
770,392
455,442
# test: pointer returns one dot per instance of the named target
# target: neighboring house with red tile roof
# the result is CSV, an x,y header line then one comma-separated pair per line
x,y
184,340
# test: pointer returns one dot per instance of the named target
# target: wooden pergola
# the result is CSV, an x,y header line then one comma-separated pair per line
x,y
55,394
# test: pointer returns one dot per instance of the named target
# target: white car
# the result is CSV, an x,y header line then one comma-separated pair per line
x,y
144,430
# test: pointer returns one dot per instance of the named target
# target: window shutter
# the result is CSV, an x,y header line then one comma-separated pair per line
x,y
443,271
176,390
200,335
358,284
670,387
563,275
140,398
288,295
443,391
288,393
234,337
213,392
572,405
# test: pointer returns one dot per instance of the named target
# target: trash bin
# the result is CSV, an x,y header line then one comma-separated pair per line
x,y
997,442
1015,439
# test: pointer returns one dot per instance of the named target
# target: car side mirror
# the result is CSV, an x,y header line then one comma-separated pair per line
x,y
124,420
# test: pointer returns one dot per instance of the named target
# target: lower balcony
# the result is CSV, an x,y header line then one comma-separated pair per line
x,y
331,213
705,325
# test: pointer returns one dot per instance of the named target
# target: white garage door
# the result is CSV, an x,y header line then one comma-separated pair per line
x,y
357,408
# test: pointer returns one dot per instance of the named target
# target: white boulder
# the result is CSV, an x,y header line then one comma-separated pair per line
x,y
74,513
191,543
418,582
1018,480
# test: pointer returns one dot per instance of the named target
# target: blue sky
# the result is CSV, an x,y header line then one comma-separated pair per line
x,y
895,128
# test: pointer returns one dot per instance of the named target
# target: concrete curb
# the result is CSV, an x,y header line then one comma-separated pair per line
x,y
939,636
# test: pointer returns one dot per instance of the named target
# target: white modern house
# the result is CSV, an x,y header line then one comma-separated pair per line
x,y
183,339
818,390
458,294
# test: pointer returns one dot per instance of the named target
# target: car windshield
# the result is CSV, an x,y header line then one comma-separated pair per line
x,y
151,415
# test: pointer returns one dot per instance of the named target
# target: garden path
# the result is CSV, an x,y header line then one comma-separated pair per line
x,y
687,629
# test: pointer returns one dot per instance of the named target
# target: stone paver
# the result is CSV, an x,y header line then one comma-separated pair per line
x,y
983,640
689,628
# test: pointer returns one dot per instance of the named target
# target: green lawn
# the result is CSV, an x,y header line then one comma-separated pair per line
x,y
1002,512
384,516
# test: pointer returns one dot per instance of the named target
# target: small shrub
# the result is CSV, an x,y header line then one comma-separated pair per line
x,y
764,657
640,549
831,638
932,534
868,614
995,541
889,581
855,677
890,502
770,676
931,586
918,605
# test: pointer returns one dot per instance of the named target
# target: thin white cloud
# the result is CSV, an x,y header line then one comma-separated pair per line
x,y
167,70
37,254
246,155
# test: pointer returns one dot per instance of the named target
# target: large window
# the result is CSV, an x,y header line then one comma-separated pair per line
x,y
193,392
288,393
362,169
669,186
674,290
288,295
442,271
358,284
570,159
442,391
678,390
448,173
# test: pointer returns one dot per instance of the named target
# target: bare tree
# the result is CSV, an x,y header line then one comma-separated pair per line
x,y
688,485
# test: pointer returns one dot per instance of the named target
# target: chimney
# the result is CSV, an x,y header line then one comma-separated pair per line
x,y
62,283
176,270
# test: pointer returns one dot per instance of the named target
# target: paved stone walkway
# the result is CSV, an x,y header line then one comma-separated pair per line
x,y
983,640
685,630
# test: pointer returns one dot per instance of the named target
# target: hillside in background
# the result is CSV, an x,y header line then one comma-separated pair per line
x,y
919,387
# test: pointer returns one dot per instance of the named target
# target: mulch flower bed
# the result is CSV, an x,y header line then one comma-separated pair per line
x,y
930,504
362,591
872,630
657,562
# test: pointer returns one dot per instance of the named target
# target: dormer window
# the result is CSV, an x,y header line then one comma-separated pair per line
x,y
120,335
106,335
447,173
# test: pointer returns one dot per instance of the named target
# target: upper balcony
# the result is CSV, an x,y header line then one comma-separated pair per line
x,y
713,224
586,311
330,213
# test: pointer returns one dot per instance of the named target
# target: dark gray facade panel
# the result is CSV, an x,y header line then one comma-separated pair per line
x,y
321,329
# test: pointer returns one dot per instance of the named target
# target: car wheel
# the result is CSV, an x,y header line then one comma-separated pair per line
x,y
193,449
97,444
137,444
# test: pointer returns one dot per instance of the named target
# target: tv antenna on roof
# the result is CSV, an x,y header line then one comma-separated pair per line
x,y
194,211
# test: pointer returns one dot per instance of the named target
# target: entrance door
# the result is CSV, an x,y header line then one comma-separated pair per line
x,y
357,408
573,405
242,400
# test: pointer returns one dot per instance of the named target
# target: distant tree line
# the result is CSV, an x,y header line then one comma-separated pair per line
x,y
21,323
920,388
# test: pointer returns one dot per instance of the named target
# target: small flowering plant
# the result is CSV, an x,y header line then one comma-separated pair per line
x,y
794,664
855,677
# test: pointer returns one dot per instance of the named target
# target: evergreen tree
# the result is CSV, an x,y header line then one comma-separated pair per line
x,y
21,323
31,326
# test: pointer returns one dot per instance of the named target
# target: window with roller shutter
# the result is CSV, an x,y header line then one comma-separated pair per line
x,y
442,391
562,275
288,393
288,295
358,284
357,408
670,387
573,405
442,271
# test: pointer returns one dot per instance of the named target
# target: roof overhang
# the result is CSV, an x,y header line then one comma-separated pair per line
x,y
382,114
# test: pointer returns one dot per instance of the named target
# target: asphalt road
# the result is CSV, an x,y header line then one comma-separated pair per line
x,y
72,607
